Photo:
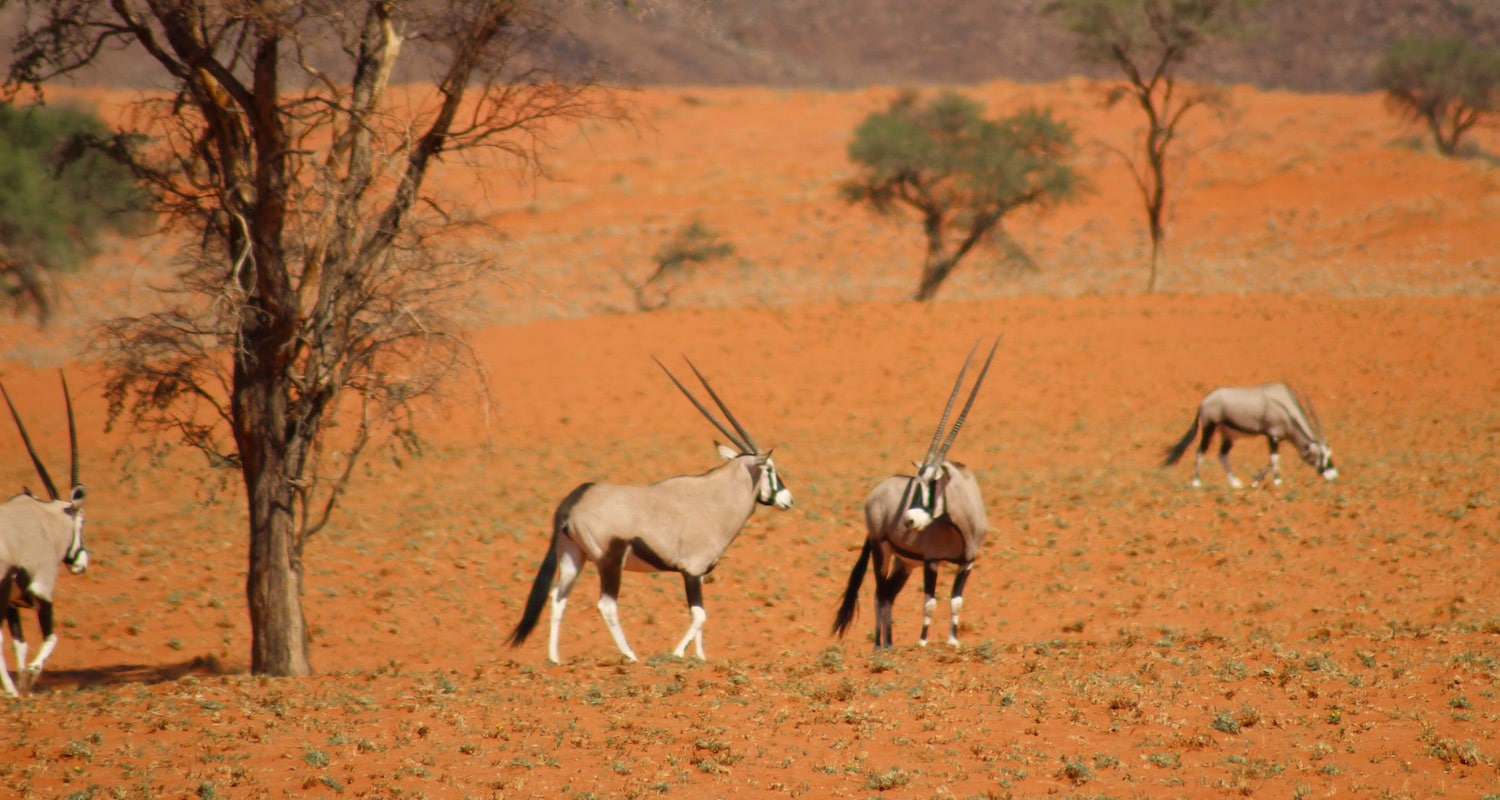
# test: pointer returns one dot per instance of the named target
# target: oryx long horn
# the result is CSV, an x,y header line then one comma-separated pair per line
x,y
1312,413
735,440
973,393
744,434
1304,404
72,430
1295,418
937,435
36,460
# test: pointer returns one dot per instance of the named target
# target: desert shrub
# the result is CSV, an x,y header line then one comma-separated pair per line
x,y
59,194
690,247
1448,84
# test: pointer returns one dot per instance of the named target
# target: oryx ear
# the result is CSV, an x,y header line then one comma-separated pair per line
x,y
76,498
726,451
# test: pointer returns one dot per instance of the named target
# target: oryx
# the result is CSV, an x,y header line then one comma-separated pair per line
x,y
929,518
681,524
1273,410
35,536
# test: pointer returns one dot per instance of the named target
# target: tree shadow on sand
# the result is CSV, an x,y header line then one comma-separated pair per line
x,y
120,674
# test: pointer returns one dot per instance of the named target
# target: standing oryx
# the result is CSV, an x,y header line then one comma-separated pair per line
x,y
35,536
1273,410
929,518
681,524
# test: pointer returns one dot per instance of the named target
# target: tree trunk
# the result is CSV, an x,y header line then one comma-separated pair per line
x,y
273,583
934,272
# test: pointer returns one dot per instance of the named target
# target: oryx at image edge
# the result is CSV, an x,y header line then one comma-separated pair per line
x,y
934,517
36,536
682,524
1273,410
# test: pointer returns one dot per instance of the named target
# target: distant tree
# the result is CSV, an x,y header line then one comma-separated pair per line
x,y
960,172
1449,84
58,197
691,246
316,307
1148,41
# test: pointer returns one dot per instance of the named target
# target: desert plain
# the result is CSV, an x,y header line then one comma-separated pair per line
x,y
1124,635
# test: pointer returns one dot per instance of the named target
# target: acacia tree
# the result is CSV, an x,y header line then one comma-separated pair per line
x,y
1448,84
56,200
1149,41
960,172
313,306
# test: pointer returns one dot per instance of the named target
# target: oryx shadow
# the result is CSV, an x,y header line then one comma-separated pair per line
x,y
53,680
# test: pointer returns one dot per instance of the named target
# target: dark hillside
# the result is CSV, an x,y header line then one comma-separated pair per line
x,y
1303,45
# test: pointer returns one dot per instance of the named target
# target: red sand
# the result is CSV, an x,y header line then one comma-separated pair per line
x,y
1124,635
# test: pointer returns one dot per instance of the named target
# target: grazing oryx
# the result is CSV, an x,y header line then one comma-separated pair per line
x,y
35,536
681,524
1273,410
929,518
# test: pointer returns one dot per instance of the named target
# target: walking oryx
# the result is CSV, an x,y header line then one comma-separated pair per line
x,y
35,536
929,518
1273,410
681,524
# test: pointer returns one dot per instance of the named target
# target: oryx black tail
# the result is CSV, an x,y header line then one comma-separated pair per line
x,y
542,584
1175,451
850,604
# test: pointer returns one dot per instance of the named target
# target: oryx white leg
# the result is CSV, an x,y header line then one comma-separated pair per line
x,y
956,601
1203,442
28,676
5,682
569,562
929,599
693,586
1272,466
1234,481
34,669
610,567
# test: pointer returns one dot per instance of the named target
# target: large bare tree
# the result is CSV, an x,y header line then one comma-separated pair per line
x,y
311,312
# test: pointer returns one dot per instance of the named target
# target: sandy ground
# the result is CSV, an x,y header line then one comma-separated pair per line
x,y
1123,635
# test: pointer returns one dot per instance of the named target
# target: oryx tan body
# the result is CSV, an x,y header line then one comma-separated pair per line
x,y
1273,410
954,537
685,523
682,524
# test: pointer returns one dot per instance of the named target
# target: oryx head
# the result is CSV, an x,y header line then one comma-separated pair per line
x,y
769,489
923,501
1313,447
76,556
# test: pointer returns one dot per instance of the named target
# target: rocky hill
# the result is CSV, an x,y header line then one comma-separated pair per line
x,y
1303,45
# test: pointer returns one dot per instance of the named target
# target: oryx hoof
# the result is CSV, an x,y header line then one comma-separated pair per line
x,y
1234,483
921,643
953,642
1197,484
1276,482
